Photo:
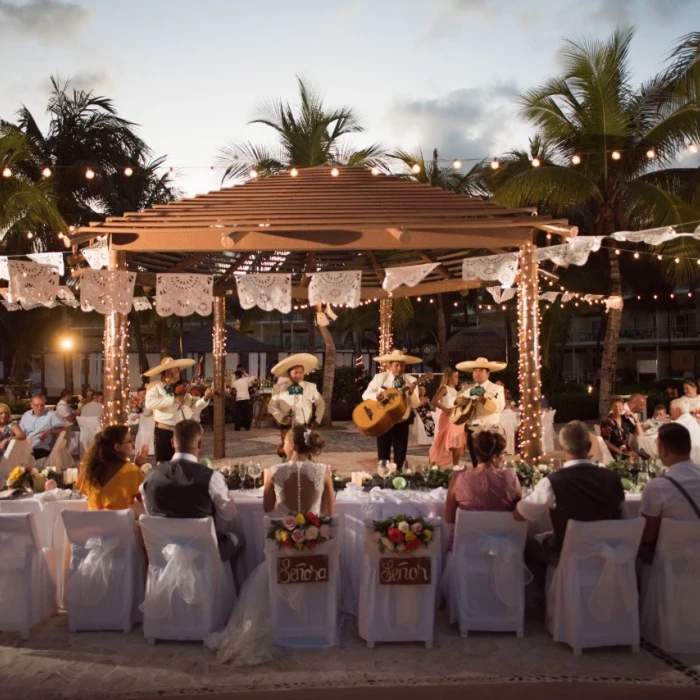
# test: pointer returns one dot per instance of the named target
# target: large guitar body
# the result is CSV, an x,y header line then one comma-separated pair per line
x,y
460,415
374,418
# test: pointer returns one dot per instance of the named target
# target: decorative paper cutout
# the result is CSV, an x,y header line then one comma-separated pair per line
x,y
184,295
409,275
575,252
503,268
651,236
97,255
142,304
107,291
335,288
54,260
500,295
32,283
266,291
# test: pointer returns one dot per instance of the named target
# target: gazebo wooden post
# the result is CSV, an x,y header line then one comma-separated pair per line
x,y
386,336
116,357
529,348
219,352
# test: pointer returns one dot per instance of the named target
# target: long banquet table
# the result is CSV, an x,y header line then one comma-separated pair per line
x,y
351,512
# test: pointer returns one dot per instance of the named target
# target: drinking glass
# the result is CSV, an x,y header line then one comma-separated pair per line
x,y
254,471
383,469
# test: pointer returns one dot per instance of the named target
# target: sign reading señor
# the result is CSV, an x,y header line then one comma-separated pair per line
x,y
312,568
404,571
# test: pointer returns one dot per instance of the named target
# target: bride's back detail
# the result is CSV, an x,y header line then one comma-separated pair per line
x,y
298,486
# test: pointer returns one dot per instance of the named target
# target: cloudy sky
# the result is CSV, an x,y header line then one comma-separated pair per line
x,y
421,73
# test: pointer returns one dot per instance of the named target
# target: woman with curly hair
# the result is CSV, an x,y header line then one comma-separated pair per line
x,y
108,477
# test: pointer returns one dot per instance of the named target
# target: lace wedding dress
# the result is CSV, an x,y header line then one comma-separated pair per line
x,y
247,639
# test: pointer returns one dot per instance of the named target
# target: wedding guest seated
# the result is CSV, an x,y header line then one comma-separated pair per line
x,y
578,491
41,426
680,412
488,486
618,429
660,416
63,408
86,397
184,488
94,408
9,430
677,495
690,394
108,477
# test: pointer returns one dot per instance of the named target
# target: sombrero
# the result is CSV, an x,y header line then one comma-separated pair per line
x,y
168,363
306,360
481,363
398,356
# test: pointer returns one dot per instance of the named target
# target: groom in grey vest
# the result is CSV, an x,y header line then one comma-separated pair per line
x,y
184,488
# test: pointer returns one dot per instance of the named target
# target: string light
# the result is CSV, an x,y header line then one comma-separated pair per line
x,y
415,168
576,159
293,172
536,163
495,164
30,235
651,154
89,174
456,164
46,172
128,171
253,173
692,148
386,315
6,172
335,172
616,155
617,251
375,171
636,256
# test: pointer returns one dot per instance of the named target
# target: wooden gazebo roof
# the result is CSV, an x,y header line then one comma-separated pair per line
x,y
316,222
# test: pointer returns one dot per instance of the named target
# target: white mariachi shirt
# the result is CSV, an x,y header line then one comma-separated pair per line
x,y
490,412
384,381
282,403
166,410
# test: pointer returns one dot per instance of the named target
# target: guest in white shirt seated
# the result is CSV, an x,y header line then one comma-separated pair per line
x,y
676,495
241,384
95,408
63,408
680,412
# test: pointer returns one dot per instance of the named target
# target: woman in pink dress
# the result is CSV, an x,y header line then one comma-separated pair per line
x,y
488,486
450,439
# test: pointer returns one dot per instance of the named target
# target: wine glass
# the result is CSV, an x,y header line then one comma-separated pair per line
x,y
243,470
383,469
254,471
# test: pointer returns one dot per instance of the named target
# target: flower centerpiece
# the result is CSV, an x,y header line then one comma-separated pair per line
x,y
402,533
300,531
529,474
25,478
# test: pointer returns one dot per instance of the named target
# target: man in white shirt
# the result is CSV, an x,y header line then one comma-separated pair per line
x,y
95,408
184,488
490,397
676,495
63,408
241,385
394,378
579,491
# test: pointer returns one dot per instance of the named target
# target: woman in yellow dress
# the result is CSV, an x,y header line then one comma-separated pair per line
x,y
108,477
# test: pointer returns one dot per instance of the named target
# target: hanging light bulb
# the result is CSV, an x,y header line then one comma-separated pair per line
x,y
30,235
128,171
692,148
495,164
636,256
660,257
375,170
293,172
536,163
89,174
677,260
46,172
616,155
415,168
576,159
335,172
651,154
617,251
253,173
6,172
60,235
456,164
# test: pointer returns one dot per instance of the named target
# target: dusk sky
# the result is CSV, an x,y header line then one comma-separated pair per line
x,y
422,73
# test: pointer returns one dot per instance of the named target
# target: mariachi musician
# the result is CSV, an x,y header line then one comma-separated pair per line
x,y
171,403
489,397
394,378
295,401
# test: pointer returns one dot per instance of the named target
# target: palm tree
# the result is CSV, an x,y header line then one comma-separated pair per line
x,y
308,135
591,110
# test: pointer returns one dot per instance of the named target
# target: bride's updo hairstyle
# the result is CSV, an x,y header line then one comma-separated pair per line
x,y
306,441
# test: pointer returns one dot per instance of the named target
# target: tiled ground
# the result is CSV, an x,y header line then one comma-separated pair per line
x,y
54,664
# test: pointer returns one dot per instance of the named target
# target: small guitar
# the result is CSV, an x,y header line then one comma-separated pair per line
x,y
374,418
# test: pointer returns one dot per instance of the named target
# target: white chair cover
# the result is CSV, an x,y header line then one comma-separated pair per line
x,y
548,431
592,595
670,606
189,590
27,592
60,458
89,427
145,434
106,578
485,575
305,614
401,613
509,422
17,452
606,457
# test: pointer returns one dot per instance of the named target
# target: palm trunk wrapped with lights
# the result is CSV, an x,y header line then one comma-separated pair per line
x,y
386,336
219,352
116,357
529,349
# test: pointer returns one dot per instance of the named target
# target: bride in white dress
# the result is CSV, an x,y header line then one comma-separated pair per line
x,y
297,486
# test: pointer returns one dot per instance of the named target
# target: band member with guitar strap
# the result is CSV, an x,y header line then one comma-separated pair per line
x,y
480,402
396,378
294,401
170,406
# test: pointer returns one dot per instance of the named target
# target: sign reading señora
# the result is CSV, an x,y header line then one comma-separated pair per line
x,y
312,568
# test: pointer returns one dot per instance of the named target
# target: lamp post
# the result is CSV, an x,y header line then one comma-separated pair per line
x,y
66,344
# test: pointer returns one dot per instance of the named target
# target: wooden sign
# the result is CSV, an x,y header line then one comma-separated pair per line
x,y
404,571
310,568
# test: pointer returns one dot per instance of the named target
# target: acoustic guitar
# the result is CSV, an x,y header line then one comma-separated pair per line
x,y
462,414
374,418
